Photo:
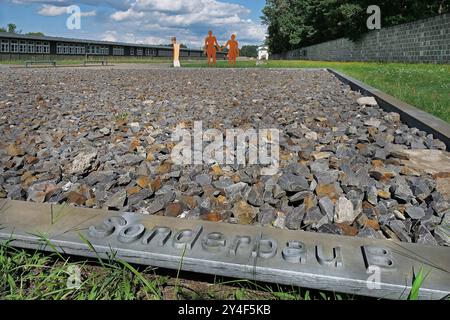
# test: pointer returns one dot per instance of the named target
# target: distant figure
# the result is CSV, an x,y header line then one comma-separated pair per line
x,y
233,51
176,53
210,48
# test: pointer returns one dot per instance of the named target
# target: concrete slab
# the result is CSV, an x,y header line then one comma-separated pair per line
x,y
378,268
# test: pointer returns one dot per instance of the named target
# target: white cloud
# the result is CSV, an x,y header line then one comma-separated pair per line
x,y
127,15
194,16
112,35
92,13
116,4
53,11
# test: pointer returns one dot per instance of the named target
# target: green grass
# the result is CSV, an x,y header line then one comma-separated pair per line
x,y
426,86
34,275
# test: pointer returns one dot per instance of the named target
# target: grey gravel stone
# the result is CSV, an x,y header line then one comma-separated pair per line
x,y
114,126
266,215
400,230
369,233
295,217
372,195
415,212
314,218
16,193
423,236
140,196
329,228
117,201
156,205
401,190
278,192
255,196
442,232
299,196
327,207
292,183
129,159
203,179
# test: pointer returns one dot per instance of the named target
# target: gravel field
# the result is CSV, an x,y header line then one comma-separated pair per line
x,y
102,138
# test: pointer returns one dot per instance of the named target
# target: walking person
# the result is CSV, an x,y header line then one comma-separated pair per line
x,y
233,49
210,48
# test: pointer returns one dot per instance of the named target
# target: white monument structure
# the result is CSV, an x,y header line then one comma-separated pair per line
x,y
263,52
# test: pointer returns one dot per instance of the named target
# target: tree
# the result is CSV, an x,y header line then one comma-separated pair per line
x,y
296,23
2,29
12,28
249,51
35,34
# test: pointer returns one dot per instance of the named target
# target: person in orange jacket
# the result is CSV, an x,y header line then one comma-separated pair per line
x,y
233,49
210,47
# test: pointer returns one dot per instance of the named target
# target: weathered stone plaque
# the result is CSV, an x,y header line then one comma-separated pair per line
x,y
369,267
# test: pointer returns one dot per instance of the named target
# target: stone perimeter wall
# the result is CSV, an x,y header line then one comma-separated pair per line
x,y
425,40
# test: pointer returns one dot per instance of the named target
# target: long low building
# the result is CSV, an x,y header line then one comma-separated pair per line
x,y
21,47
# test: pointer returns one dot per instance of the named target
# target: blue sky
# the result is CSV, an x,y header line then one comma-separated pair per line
x,y
141,21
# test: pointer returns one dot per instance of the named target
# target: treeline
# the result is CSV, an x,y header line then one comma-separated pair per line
x,y
296,23
12,28
249,51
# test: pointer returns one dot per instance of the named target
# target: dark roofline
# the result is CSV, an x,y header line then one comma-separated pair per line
x,y
86,41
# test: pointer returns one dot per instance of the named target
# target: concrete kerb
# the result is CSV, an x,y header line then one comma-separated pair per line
x,y
370,267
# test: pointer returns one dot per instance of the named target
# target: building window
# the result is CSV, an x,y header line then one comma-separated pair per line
x,y
5,46
73,50
149,52
59,48
39,47
31,47
14,46
117,51
139,52
47,47
104,51
131,51
23,47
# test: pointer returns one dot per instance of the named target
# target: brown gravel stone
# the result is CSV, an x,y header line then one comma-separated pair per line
x,y
133,190
14,150
327,190
190,201
373,224
143,181
173,209
76,198
155,184
347,230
